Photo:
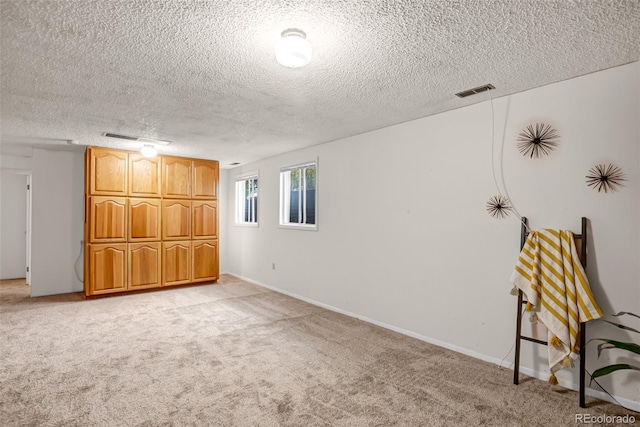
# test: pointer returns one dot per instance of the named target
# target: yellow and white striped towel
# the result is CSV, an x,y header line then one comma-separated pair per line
x,y
549,273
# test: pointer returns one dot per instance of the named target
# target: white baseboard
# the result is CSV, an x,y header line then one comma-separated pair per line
x,y
628,403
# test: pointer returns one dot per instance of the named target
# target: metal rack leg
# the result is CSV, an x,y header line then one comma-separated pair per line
x,y
583,342
516,366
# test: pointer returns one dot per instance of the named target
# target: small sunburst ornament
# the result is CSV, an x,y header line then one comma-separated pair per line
x,y
605,177
499,207
537,141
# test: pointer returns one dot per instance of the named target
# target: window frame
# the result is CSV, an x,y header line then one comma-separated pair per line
x,y
284,209
240,212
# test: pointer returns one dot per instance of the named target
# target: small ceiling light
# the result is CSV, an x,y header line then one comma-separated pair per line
x,y
293,50
148,150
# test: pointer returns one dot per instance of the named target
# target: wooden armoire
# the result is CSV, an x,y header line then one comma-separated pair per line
x,y
149,223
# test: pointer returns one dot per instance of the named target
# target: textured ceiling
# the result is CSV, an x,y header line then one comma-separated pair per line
x,y
203,74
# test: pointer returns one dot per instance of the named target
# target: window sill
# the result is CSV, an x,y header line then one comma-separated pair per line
x,y
299,227
247,224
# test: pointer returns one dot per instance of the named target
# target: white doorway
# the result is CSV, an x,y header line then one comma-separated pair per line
x,y
15,224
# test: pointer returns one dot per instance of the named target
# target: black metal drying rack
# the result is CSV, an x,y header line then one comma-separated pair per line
x,y
581,247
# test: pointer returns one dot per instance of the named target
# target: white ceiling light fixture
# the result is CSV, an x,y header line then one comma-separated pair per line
x,y
293,50
149,151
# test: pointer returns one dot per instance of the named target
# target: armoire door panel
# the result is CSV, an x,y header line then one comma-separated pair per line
x,y
108,219
176,177
205,179
205,219
176,219
144,265
205,260
144,176
176,263
107,268
108,172
144,220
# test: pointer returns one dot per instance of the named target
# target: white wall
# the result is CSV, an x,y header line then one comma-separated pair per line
x,y
57,192
404,239
223,221
58,218
13,224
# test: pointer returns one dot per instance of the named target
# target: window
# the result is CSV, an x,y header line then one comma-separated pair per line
x,y
247,200
298,196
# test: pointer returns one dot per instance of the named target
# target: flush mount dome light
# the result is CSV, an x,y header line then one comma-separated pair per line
x,y
293,50
148,150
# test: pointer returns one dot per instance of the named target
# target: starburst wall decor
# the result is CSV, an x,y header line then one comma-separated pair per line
x,y
499,207
605,177
537,141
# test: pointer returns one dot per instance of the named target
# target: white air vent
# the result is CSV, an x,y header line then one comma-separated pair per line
x,y
136,138
475,90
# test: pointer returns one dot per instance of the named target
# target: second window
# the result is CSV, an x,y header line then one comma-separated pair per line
x,y
298,196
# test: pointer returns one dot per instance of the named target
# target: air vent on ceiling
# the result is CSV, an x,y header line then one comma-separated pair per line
x,y
234,164
475,90
136,138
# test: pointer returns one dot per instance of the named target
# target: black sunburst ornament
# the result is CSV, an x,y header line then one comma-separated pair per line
x,y
499,207
605,177
537,141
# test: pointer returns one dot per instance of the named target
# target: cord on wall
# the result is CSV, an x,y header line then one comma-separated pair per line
x,y
510,350
493,167
75,264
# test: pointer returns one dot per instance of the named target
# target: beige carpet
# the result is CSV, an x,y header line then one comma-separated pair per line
x,y
235,354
